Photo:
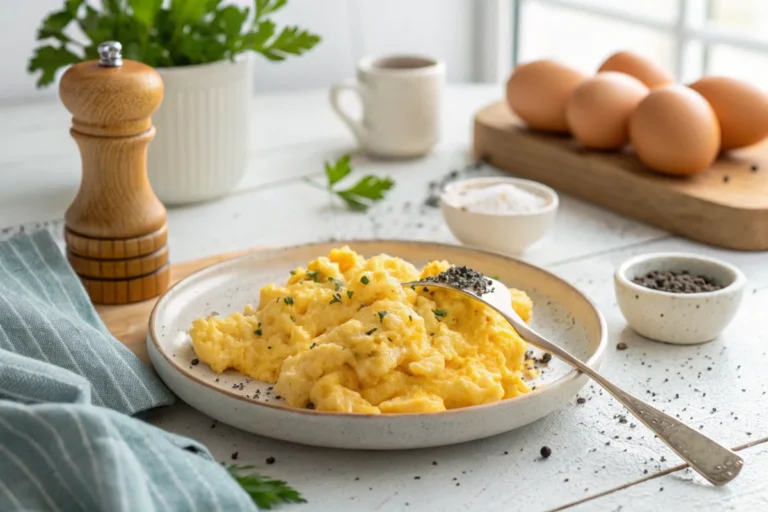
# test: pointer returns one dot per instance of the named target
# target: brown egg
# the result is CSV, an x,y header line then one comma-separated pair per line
x,y
651,74
675,131
741,109
599,109
538,92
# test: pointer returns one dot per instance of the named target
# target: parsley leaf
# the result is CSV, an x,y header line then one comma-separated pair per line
x,y
336,298
337,171
349,293
382,314
288,300
265,492
360,196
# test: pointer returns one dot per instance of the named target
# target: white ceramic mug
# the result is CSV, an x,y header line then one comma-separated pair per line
x,y
401,97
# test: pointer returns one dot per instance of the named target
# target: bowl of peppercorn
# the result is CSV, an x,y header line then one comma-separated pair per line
x,y
678,298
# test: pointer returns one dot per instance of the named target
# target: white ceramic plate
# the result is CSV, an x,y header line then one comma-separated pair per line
x,y
560,312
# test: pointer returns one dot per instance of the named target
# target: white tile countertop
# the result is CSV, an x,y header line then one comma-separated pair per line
x,y
597,462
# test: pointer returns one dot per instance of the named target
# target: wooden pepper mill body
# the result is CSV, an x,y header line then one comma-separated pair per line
x,y
116,227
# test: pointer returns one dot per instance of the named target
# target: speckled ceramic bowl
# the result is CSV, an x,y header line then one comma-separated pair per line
x,y
679,318
560,312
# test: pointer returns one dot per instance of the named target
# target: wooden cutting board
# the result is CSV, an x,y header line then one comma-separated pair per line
x,y
128,323
725,206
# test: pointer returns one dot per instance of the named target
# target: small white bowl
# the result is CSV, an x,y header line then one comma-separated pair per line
x,y
679,318
506,233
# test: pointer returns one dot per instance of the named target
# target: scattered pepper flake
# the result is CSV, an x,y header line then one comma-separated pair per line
x,y
621,346
195,362
371,331
270,460
581,400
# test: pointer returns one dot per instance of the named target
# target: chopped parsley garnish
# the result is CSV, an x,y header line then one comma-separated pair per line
x,y
349,294
382,314
410,318
495,277
313,345
257,332
368,333
313,276
288,300
439,313
309,405
339,284
336,298
361,307
293,272
293,319
413,287
390,339
364,280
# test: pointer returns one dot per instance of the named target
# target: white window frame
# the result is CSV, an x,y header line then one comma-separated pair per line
x,y
500,19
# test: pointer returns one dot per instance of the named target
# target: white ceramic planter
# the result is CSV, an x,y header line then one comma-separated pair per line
x,y
200,150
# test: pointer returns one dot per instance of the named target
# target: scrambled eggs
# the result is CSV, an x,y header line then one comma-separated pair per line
x,y
344,335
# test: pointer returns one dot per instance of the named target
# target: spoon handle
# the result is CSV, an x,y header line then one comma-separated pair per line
x,y
713,461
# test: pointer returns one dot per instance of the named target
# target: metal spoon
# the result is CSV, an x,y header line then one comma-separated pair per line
x,y
713,461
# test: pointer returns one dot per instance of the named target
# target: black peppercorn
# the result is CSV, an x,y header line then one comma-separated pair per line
x,y
546,451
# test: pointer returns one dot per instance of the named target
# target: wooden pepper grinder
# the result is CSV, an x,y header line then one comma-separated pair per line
x,y
115,228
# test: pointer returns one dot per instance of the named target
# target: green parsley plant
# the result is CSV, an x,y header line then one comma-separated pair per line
x,y
164,34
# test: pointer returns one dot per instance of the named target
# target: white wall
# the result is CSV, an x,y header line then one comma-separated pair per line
x,y
350,29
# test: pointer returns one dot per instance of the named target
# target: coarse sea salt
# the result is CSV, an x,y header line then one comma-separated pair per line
x,y
500,199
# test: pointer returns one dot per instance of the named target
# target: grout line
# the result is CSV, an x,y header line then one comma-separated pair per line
x,y
611,250
667,471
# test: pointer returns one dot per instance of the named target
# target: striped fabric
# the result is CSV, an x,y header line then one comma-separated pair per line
x,y
67,388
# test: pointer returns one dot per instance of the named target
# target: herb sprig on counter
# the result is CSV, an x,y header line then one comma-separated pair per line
x,y
265,492
360,196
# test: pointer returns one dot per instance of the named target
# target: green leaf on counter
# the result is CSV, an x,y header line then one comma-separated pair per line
x,y
265,492
360,196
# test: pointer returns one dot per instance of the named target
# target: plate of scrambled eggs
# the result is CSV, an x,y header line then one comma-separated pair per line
x,y
321,344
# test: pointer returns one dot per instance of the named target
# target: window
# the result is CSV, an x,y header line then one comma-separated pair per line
x,y
690,38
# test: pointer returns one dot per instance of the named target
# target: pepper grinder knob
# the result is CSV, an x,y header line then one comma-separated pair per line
x,y
110,54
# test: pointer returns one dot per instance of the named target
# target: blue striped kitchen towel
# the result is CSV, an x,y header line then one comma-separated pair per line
x,y
67,390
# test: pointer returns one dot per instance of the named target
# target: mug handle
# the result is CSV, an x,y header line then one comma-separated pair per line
x,y
355,126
